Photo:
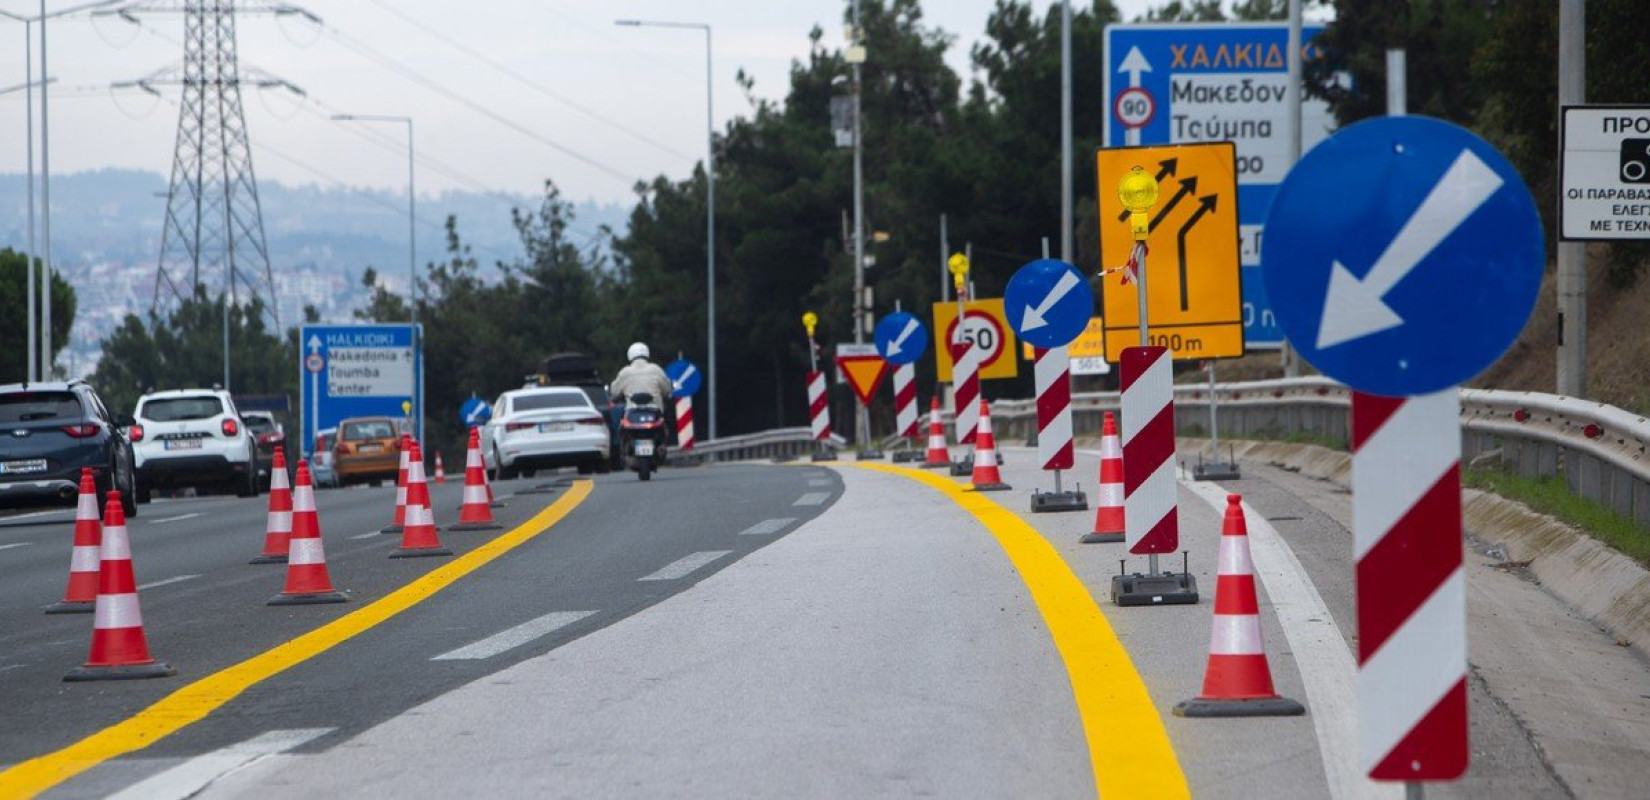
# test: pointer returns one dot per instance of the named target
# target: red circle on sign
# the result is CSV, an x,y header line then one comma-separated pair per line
x,y
997,348
314,363
1134,107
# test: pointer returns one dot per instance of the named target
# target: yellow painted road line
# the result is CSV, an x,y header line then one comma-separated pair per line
x,y
1128,746
192,703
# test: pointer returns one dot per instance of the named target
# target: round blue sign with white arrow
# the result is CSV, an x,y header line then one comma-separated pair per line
x,y
1048,302
901,338
685,378
475,411
1402,255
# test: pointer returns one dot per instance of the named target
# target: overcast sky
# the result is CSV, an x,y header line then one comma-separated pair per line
x,y
646,85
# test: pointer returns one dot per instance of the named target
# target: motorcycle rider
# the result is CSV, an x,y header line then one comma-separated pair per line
x,y
641,375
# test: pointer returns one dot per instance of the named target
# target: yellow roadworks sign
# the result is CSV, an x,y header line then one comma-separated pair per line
x,y
1194,295
987,327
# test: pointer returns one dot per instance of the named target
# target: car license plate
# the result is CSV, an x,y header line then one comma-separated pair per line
x,y
20,467
183,444
372,448
555,427
644,447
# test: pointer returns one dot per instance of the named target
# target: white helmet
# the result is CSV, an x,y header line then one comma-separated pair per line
x,y
637,350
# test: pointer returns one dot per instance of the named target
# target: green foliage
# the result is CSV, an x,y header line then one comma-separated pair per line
x,y
14,314
1552,496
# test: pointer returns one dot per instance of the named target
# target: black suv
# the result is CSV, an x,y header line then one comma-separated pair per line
x,y
48,432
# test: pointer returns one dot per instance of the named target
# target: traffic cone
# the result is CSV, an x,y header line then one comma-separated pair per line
x,y
279,527
306,566
938,455
440,472
85,558
1108,516
120,651
400,488
477,513
419,539
986,477
1238,682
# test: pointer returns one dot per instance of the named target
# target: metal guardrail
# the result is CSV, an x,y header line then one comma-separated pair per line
x,y
778,443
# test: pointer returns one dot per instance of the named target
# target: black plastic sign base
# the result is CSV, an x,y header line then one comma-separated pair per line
x,y
1166,589
1056,502
1215,471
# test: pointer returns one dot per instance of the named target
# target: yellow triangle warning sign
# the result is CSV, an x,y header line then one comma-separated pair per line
x,y
864,374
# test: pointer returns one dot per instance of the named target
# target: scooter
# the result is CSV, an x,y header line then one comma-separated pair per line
x,y
642,434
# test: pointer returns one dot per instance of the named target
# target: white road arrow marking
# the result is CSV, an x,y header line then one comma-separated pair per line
x,y
1033,318
1133,64
898,344
1354,308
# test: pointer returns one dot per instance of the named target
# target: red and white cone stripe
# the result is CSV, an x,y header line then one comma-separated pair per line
x,y
965,361
819,409
1411,588
1151,517
905,401
1052,373
684,423
938,454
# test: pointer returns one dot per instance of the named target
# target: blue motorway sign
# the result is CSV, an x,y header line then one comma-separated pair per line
x,y
1048,302
359,370
901,338
474,412
684,376
1213,82
1403,256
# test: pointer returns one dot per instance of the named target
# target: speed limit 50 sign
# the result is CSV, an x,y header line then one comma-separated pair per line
x,y
986,326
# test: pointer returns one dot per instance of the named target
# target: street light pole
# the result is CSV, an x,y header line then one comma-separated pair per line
x,y
1065,133
412,240
862,416
45,210
710,202
28,102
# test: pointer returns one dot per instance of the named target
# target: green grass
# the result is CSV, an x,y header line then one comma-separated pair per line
x,y
1552,496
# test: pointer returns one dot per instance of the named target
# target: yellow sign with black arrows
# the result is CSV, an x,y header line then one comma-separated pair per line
x,y
1194,296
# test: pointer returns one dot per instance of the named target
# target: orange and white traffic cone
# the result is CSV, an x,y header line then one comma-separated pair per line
x,y
85,560
1108,501
307,581
938,455
1238,682
120,651
400,488
440,471
418,538
278,529
477,513
986,477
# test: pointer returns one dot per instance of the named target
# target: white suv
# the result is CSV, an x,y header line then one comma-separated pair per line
x,y
193,437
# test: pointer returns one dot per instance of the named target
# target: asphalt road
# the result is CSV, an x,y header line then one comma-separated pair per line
x,y
207,609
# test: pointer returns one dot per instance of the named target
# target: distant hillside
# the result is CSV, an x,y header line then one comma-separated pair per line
x,y
106,227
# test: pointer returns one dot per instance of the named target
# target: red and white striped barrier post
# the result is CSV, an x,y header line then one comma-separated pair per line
x,y
684,423
1151,516
1052,374
905,410
819,403
1411,587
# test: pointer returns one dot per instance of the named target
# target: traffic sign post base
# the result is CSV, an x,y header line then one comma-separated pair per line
x,y
962,469
1215,471
906,456
1161,589
868,454
1055,502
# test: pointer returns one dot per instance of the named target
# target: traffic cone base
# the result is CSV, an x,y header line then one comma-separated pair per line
x,y
128,672
66,607
1238,682
268,560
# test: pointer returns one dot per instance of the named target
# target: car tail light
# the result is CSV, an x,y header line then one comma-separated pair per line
x,y
231,428
341,450
597,421
82,431
520,426
135,432
269,438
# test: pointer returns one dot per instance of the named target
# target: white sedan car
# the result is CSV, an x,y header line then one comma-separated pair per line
x,y
542,428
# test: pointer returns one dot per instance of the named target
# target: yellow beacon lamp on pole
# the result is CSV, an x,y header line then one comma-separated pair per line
x,y
1137,190
810,320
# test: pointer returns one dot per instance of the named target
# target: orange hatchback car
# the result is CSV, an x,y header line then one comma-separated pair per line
x,y
368,450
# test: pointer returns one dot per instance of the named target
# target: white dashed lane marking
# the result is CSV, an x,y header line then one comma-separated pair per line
x,y
686,566
812,499
514,637
767,527
188,778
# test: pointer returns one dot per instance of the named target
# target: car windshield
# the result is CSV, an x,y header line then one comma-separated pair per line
x,y
539,402
177,409
260,425
31,406
368,429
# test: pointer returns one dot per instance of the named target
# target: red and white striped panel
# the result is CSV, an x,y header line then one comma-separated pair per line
x,y
1411,589
1151,517
1053,378
905,400
684,423
965,382
819,408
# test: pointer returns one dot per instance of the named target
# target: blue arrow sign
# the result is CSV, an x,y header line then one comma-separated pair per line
x,y
1402,256
684,376
1048,302
475,411
901,338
